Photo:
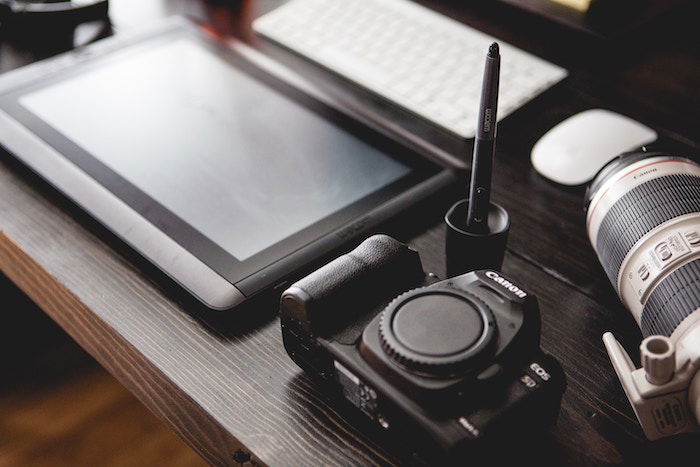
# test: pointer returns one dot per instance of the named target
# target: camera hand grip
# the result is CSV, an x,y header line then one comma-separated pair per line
x,y
379,268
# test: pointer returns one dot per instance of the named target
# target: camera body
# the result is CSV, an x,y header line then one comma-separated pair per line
x,y
447,366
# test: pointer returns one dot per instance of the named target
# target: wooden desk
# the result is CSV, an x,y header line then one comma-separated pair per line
x,y
231,392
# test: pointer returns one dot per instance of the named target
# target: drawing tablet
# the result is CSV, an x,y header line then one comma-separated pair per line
x,y
228,176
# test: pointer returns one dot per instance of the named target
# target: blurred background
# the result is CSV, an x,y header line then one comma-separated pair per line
x,y
58,406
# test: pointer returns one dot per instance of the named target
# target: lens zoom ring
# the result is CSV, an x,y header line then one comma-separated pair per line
x,y
674,298
640,210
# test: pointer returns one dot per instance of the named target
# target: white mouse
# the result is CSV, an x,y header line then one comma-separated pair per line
x,y
572,152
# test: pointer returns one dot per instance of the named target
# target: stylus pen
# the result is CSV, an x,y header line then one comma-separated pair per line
x,y
484,145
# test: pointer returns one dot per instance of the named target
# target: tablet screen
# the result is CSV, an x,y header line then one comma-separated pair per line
x,y
213,145
237,165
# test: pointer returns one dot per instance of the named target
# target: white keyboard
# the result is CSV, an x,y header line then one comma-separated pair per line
x,y
419,59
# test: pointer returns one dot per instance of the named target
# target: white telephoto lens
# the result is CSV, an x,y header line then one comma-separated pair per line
x,y
643,220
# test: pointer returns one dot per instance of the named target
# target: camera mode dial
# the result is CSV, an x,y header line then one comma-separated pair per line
x,y
436,331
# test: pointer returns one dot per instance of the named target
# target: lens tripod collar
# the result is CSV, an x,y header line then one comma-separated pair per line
x,y
665,392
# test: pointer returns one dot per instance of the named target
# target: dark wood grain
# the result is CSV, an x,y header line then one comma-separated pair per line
x,y
228,388
61,408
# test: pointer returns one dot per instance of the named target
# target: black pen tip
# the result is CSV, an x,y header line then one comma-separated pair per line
x,y
493,50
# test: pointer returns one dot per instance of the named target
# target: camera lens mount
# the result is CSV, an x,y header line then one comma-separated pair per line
x,y
436,331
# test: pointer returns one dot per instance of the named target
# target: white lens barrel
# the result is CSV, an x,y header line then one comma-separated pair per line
x,y
643,221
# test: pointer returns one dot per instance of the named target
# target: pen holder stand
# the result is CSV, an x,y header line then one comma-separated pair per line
x,y
466,251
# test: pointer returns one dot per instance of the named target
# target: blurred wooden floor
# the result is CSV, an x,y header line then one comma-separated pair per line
x,y
58,407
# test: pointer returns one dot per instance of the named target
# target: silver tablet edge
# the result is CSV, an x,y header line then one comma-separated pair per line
x,y
178,263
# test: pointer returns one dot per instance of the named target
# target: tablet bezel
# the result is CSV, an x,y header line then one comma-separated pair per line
x,y
215,277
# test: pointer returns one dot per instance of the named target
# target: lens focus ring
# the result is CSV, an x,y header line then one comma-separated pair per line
x,y
639,211
672,300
